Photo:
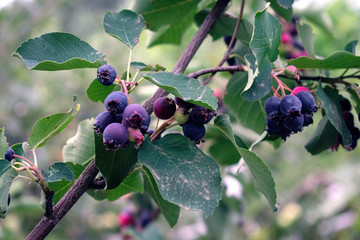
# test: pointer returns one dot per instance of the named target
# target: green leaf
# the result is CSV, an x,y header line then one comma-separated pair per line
x,y
58,51
61,187
222,149
250,114
324,137
134,182
225,25
351,46
80,148
7,175
170,210
57,172
168,18
340,59
97,92
188,89
264,44
113,165
286,3
330,101
259,170
3,143
163,12
307,37
125,25
147,67
286,13
183,173
47,127
266,37
170,34
259,83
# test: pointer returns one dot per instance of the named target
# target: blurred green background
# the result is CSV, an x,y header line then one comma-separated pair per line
x,y
318,196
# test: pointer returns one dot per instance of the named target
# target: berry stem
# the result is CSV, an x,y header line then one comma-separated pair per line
x,y
165,125
24,158
35,158
125,90
128,66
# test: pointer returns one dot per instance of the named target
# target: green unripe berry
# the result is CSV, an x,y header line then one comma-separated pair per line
x,y
181,115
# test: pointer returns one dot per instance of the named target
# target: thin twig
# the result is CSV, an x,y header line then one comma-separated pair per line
x,y
233,37
216,69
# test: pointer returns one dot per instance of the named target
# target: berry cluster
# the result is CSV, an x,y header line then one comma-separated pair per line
x,y
121,122
291,113
349,121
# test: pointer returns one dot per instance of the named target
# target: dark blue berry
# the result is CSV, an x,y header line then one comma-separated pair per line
x,y
294,124
102,120
164,108
182,103
116,102
9,155
135,116
145,217
345,104
227,40
194,131
274,124
272,104
115,135
308,102
9,198
201,115
106,74
290,105
308,119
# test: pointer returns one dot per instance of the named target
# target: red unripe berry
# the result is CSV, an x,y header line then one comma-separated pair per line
x,y
298,89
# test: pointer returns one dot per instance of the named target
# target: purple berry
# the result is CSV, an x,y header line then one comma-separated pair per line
x,y
116,102
115,136
308,102
182,103
290,105
106,74
102,120
201,115
164,108
135,116
272,104
194,131
274,124
9,155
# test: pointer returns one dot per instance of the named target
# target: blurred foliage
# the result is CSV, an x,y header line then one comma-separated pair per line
x,y
319,196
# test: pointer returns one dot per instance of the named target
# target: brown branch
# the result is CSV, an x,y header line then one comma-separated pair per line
x,y
46,224
235,68
191,49
330,80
